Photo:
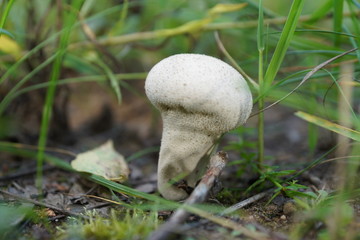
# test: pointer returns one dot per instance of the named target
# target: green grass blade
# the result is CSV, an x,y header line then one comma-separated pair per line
x,y
320,12
313,131
12,93
142,153
84,79
119,26
253,85
261,47
347,132
54,37
70,18
3,31
328,32
313,137
260,29
283,43
307,76
355,27
312,164
86,7
5,14
16,66
344,98
112,78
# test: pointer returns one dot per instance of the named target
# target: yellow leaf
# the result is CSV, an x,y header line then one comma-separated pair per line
x,y
223,8
103,161
9,46
347,132
196,26
189,27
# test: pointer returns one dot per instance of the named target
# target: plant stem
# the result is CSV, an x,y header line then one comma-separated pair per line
x,y
5,14
261,114
50,94
261,47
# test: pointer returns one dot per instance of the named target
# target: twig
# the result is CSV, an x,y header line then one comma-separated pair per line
x,y
200,193
246,202
43,204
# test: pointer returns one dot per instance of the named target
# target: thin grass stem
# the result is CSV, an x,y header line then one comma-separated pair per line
x,y
69,20
5,14
261,47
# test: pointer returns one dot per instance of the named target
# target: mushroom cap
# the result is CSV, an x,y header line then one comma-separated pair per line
x,y
202,85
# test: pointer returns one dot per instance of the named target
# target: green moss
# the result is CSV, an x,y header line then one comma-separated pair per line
x,y
129,225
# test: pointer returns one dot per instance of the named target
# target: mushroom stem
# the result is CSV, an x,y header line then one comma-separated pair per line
x,y
184,154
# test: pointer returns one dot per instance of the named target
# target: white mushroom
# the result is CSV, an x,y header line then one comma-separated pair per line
x,y
200,98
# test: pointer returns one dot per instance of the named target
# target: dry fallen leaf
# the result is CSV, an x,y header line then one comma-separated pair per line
x,y
103,161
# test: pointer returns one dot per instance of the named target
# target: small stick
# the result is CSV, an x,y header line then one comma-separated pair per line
x,y
246,202
200,193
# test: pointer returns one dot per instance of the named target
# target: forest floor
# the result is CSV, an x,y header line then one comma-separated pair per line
x,y
132,128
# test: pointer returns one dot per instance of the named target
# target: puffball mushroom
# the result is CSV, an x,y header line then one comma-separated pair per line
x,y
200,98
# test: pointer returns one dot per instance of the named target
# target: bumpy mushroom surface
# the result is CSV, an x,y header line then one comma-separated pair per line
x,y
200,98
